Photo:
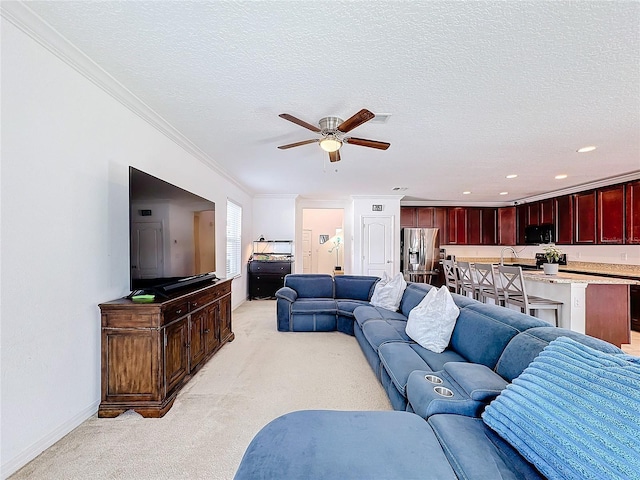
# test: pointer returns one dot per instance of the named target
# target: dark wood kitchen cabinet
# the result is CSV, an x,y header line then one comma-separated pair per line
x,y
507,226
408,217
151,350
547,211
474,226
584,205
632,213
610,209
563,207
457,226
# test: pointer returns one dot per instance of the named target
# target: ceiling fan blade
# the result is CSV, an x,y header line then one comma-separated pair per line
x,y
334,156
297,121
297,144
363,142
358,119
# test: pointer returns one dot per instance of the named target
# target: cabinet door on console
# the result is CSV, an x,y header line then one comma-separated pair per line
x,y
175,353
225,318
212,327
130,367
197,337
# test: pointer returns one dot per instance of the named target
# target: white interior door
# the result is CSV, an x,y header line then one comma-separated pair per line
x,y
377,245
147,238
306,251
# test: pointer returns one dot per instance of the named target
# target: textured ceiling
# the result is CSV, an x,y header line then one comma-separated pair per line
x,y
476,90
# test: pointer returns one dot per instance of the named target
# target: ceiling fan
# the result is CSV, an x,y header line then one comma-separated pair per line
x,y
332,131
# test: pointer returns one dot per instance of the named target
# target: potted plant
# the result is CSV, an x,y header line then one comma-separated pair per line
x,y
552,254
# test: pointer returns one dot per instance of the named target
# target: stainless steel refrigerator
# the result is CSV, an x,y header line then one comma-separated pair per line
x,y
420,248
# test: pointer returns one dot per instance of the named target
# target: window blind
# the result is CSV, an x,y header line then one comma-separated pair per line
x,y
234,238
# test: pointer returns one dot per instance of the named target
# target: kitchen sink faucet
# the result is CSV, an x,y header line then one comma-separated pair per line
x,y
502,254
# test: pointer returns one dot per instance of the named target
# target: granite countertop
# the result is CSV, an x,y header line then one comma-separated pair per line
x,y
624,271
565,277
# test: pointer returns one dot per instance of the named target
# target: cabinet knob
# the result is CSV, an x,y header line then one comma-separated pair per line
x,y
178,312
206,330
195,304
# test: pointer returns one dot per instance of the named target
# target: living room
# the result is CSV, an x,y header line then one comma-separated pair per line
x,y
71,131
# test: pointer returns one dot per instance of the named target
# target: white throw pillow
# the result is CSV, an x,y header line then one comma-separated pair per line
x,y
431,322
388,292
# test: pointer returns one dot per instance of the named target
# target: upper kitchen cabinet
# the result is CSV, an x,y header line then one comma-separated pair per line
x,y
546,211
610,211
506,226
563,207
584,204
408,217
474,226
457,226
632,205
425,217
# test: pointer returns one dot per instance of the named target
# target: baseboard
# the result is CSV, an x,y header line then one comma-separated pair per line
x,y
19,461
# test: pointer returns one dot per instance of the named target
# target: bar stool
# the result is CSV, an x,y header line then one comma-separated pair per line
x,y
466,281
486,283
516,294
450,275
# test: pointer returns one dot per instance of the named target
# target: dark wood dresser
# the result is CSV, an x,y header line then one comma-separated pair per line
x,y
150,350
267,276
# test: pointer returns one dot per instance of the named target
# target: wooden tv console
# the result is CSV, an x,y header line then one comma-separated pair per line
x,y
150,350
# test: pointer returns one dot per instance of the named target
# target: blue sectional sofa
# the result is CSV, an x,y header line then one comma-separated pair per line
x,y
438,430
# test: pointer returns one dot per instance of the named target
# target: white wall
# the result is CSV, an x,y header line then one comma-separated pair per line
x,y
274,217
66,149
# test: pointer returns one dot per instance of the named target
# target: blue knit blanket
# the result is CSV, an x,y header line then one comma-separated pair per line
x,y
574,413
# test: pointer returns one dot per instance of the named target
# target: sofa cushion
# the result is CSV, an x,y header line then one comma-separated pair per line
x,y
310,285
526,346
477,453
378,332
314,305
481,334
573,413
436,361
346,445
388,292
431,322
413,295
355,287
369,312
347,307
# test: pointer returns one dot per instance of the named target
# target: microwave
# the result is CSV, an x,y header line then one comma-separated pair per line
x,y
537,234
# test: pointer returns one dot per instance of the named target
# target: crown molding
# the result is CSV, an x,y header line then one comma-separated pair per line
x,y
25,19
605,182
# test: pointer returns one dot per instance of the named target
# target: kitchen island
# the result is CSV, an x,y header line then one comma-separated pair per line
x,y
591,304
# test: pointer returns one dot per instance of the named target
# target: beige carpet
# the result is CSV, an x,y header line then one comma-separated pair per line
x,y
260,375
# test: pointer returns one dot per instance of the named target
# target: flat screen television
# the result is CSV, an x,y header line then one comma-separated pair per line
x,y
171,235
537,234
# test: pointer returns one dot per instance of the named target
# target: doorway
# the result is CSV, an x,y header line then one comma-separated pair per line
x,y
323,228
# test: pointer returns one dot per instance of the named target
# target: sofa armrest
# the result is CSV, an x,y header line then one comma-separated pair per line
x,y
478,381
287,293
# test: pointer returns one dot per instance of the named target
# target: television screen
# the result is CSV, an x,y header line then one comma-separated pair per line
x,y
172,233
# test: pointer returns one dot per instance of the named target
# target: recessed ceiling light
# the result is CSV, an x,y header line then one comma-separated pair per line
x,y
466,193
513,175
561,177
504,193
590,148
400,189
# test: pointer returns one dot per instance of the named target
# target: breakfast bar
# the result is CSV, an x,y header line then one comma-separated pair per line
x,y
595,305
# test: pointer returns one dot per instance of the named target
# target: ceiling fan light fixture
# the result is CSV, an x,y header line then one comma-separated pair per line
x,y
330,144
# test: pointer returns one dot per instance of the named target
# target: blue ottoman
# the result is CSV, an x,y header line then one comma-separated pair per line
x,y
322,444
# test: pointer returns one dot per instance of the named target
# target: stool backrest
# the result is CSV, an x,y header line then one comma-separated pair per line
x,y
486,279
513,284
450,275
